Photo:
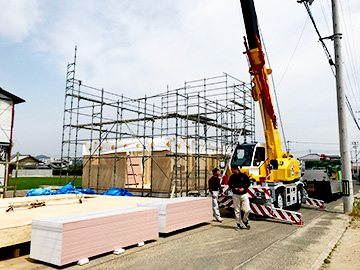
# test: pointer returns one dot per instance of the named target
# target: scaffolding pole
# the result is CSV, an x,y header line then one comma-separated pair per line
x,y
202,121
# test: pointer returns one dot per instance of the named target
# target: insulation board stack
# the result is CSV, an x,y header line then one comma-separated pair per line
x,y
179,213
60,240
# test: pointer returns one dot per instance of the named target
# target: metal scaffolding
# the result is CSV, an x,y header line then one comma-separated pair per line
x,y
216,111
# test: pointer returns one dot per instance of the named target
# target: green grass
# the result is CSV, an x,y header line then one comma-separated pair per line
x,y
356,208
35,182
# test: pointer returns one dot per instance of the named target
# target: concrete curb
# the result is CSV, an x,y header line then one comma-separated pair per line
x,y
326,252
320,260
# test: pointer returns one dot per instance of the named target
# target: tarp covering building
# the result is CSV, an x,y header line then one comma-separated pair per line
x,y
157,170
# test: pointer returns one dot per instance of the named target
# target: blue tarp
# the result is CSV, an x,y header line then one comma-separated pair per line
x,y
39,192
69,188
87,191
117,192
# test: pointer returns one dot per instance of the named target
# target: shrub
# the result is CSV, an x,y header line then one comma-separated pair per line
x,y
356,208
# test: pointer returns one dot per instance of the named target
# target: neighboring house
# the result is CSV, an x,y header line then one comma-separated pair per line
x,y
58,164
30,166
7,110
310,157
27,160
318,157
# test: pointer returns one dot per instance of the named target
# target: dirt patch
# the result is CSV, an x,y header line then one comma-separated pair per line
x,y
346,253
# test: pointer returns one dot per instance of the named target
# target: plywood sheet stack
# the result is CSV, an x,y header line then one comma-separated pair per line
x,y
61,240
179,213
15,226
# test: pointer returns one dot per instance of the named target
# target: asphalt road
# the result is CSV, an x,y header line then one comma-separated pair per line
x,y
269,244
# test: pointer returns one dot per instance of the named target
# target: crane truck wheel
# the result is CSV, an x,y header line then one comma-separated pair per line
x,y
298,198
279,199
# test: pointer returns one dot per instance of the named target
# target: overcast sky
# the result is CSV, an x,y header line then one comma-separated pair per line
x,y
134,47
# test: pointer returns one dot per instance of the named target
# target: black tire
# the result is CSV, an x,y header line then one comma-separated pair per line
x,y
299,196
279,199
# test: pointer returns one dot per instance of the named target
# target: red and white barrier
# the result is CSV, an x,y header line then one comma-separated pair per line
x,y
269,211
281,214
315,202
225,202
253,191
266,211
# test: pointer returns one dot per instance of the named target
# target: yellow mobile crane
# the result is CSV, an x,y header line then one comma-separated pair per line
x,y
285,167
275,174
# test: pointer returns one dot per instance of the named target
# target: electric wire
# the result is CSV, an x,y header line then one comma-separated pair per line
x,y
352,79
321,39
351,66
292,56
353,57
331,62
315,150
274,90
326,15
325,143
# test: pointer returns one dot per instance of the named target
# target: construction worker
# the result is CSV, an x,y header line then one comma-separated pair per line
x,y
239,183
214,191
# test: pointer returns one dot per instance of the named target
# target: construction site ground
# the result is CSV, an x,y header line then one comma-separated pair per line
x,y
269,244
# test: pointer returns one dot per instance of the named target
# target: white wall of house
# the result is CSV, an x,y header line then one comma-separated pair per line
x,y
33,173
2,171
5,120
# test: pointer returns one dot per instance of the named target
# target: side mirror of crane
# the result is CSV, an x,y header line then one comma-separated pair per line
x,y
222,164
274,164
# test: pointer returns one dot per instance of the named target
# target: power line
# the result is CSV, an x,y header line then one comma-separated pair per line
x,y
351,56
321,39
292,56
313,143
331,62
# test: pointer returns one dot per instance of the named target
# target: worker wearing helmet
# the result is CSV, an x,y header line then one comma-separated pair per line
x,y
239,183
214,191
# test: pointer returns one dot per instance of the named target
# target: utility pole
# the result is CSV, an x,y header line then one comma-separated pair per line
x,y
348,195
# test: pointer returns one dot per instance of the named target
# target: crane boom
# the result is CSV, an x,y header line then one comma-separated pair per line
x,y
282,162
275,175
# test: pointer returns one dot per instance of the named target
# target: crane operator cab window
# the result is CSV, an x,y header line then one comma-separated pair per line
x,y
243,155
247,155
259,156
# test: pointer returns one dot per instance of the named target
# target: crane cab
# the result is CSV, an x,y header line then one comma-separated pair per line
x,y
251,158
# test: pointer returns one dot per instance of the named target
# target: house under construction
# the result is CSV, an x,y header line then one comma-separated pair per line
x,y
160,145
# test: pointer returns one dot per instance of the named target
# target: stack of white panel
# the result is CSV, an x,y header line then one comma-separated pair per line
x,y
64,239
179,213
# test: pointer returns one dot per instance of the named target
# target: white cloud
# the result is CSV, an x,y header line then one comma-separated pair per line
x,y
17,19
135,47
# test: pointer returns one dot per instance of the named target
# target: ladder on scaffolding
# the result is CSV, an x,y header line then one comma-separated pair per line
x,y
175,181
